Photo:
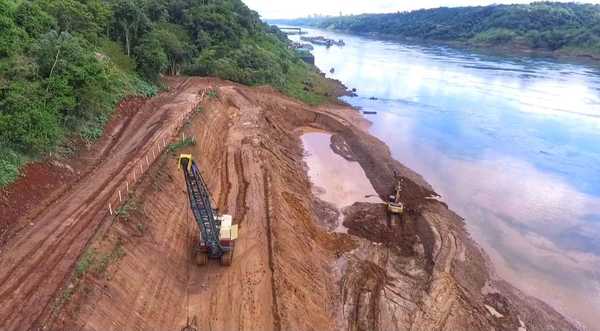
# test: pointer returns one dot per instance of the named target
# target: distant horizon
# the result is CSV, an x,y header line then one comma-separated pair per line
x,y
269,10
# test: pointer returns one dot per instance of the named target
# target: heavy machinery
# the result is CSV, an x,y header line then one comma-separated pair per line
x,y
217,233
395,206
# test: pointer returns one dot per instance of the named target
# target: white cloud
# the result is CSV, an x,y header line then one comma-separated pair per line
x,y
293,8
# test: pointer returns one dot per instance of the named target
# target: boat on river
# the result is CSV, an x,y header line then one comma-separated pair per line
x,y
320,40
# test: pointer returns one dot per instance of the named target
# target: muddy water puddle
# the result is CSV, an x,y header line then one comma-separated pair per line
x,y
335,180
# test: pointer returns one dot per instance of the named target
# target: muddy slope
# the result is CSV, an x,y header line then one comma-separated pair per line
x,y
289,272
44,239
421,271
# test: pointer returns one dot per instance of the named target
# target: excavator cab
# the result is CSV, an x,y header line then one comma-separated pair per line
x,y
395,206
228,233
217,233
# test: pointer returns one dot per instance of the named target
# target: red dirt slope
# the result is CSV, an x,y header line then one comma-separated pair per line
x,y
289,272
39,255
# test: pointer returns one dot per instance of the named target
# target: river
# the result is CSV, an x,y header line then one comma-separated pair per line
x,y
510,143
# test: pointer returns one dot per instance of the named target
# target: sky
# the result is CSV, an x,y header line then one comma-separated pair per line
x,y
269,9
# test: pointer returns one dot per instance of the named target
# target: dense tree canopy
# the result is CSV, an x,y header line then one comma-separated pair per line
x,y
65,63
540,25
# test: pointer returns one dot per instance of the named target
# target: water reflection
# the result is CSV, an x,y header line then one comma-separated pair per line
x,y
512,144
535,226
325,169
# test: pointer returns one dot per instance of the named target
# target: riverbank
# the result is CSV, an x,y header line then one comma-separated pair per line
x,y
423,273
428,249
494,135
547,26
517,49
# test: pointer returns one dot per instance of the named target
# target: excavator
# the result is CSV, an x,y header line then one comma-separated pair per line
x,y
395,206
217,233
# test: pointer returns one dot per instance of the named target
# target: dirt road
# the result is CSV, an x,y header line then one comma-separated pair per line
x,y
153,285
40,256
289,271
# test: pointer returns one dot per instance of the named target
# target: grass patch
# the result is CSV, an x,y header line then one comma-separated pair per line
x,y
143,88
92,132
126,209
91,261
65,297
105,260
188,141
98,262
10,165
87,260
212,94
306,84
82,267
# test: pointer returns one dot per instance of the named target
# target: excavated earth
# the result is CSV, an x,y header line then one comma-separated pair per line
x,y
79,268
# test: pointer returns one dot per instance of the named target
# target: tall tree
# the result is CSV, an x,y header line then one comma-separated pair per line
x,y
175,43
131,21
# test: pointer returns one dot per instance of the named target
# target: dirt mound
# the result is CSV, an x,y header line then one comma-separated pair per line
x,y
289,271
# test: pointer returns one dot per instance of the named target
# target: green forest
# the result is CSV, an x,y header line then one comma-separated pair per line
x,y
569,28
65,64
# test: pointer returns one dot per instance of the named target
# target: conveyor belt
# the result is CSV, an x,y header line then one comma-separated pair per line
x,y
201,206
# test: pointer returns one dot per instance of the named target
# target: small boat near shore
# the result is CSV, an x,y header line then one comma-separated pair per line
x,y
320,40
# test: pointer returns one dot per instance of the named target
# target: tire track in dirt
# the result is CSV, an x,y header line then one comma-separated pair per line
x,y
68,238
29,256
267,199
37,260
241,206
79,212
225,183
237,297
58,238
